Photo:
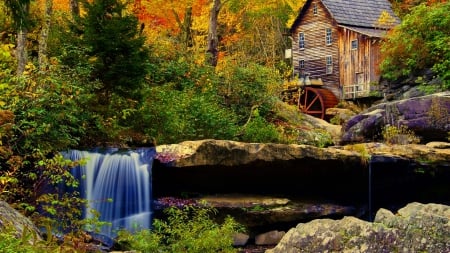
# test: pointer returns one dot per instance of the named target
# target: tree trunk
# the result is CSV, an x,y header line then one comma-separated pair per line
x,y
43,54
21,50
22,31
74,8
213,40
187,28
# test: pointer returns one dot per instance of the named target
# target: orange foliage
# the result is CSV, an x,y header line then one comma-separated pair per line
x,y
159,14
145,17
61,5
58,5
406,5
163,21
198,6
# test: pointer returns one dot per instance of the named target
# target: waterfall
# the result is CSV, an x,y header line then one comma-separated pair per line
x,y
370,189
117,185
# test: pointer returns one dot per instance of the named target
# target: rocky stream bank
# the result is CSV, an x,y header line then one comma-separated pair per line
x,y
271,188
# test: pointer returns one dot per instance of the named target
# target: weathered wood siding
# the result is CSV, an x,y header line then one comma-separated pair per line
x,y
316,49
358,67
375,60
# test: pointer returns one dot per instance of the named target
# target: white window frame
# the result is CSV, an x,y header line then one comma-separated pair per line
x,y
315,10
328,36
329,64
301,40
354,44
301,64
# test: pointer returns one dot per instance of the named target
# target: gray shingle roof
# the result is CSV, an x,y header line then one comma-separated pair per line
x,y
355,13
361,13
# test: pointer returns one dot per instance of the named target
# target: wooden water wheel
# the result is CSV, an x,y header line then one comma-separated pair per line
x,y
314,101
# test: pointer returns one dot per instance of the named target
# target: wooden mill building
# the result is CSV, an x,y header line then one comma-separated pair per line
x,y
338,41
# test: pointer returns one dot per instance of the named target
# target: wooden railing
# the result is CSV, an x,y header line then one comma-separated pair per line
x,y
356,91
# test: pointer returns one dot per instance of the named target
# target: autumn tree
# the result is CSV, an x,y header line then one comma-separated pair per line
x,y
403,7
255,31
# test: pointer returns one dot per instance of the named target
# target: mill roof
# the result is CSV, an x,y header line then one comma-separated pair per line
x,y
355,13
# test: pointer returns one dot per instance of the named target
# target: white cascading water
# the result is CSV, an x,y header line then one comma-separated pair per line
x,y
117,185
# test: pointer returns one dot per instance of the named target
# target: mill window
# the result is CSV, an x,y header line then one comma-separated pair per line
x,y
354,44
328,38
301,40
329,65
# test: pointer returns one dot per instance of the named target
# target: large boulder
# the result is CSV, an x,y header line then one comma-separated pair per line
x,y
415,228
428,116
310,126
11,221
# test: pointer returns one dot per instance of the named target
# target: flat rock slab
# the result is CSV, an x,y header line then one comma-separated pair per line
x,y
258,212
232,153
243,201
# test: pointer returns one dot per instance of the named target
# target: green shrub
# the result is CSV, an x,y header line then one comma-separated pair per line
x,y
173,116
189,229
399,135
244,87
12,242
259,130
362,150
336,120
420,42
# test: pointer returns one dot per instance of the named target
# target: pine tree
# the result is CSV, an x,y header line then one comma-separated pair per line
x,y
115,47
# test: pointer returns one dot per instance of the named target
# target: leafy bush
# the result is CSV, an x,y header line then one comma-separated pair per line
x,y
420,42
173,116
244,87
399,135
11,242
337,120
259,130
362,150
188,229
40,115
25,243
427,88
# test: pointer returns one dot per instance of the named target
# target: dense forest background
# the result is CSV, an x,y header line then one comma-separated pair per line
x,y
80,74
